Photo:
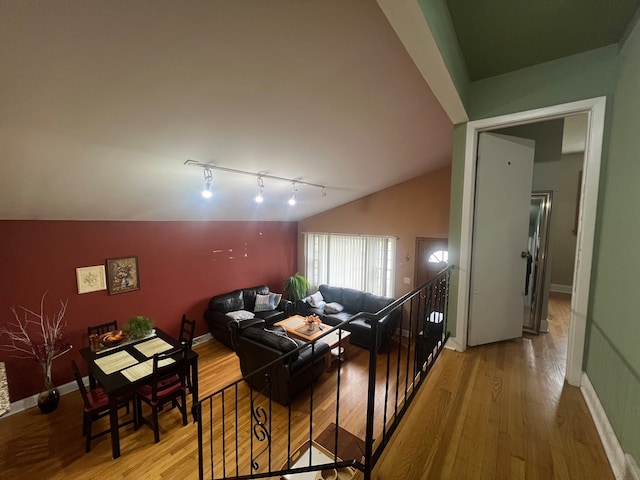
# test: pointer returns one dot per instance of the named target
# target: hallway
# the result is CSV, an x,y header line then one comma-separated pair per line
x,y
500,411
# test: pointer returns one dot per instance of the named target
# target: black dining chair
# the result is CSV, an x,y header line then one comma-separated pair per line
x,y
102,328
187,328
96,406
99,330
168,384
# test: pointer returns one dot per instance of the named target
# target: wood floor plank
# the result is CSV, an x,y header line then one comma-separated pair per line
x,y
497,411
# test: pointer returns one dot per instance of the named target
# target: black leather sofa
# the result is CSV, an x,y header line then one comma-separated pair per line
x,y
256,347
244,299
353,302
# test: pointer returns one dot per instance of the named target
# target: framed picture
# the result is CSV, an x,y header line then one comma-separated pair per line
x,y
90,279
122,275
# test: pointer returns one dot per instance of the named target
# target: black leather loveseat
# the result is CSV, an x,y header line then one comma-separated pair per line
x,y
256,347
351,302
241,305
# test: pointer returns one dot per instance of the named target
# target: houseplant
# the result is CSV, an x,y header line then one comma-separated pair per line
x,y
38,336
138,326
296,287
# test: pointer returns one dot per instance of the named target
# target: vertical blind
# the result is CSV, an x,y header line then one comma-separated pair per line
x,y
354,261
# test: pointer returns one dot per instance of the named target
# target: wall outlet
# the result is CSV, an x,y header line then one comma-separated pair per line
x,y
407,280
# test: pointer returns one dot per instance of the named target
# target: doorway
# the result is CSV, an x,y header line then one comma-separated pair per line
x,y
595,109
431,256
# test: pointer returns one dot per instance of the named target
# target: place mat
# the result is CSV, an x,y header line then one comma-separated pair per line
x,y
144,369
304,329
295,321
115,361
350,447
151,347
128,341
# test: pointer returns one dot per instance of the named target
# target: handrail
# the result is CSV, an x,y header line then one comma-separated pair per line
x,y
238,436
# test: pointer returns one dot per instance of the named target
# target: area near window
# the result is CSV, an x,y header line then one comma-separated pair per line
x,y
363,262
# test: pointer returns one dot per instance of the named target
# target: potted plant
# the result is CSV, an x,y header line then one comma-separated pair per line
x,y
38,336
296,287
138,326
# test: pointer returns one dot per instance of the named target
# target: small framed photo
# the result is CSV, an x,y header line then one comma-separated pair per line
x,y
122,275
90,279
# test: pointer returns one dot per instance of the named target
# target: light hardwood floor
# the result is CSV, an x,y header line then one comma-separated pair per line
x,y
496,411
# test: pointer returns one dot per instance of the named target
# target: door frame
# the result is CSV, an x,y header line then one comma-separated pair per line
x,y
595,110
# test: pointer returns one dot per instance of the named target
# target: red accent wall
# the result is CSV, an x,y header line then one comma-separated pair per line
x,y
182,265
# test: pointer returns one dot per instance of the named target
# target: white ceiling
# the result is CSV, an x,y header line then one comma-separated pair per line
x,y
102,102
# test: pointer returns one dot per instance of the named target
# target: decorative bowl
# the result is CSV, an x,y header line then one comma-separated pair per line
x,y
116,337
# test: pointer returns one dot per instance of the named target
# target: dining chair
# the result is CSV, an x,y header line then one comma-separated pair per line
x,y
98,330
187,328
96,406
168,384
102,328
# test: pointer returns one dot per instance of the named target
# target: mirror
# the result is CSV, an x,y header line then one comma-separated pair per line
x,y
535,284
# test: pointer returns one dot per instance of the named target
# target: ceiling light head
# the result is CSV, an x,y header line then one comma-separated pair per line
x,y
259,198
208,177
292,200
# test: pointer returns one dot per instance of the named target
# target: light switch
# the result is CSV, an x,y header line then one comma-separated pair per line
x,y
407,280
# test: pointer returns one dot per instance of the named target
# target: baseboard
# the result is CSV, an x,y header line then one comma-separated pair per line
x,y
202,338
544,325
555,287
633,471
612,447
32,401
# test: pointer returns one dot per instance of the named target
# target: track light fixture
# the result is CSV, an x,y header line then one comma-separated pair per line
x,y
292,200
208,177
259,198
260,176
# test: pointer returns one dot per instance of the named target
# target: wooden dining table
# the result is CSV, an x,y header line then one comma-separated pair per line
x,y
122,369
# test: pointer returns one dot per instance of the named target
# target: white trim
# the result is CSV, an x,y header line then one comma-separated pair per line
x,y
556,287
32,401
612,447
595,108
407,19
633,471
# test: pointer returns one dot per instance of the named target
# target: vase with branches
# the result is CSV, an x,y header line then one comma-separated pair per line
x,y
38,336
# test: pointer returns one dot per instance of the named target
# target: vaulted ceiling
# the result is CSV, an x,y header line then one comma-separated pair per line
x,y
102,102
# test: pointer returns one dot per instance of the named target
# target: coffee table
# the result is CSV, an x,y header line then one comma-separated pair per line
x,y
337,340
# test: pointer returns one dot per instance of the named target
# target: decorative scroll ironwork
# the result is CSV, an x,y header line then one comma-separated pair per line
x,y
260,417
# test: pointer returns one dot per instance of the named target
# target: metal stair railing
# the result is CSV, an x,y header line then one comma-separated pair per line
x,y
243,433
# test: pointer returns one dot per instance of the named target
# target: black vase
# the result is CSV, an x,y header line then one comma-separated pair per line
x,y
48,400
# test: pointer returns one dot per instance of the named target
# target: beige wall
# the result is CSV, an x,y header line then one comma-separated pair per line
x,y
415,208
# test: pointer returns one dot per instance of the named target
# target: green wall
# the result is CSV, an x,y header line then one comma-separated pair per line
x,y
612,354
613,349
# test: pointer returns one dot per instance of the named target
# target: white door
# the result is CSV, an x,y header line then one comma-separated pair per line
x,y
504,176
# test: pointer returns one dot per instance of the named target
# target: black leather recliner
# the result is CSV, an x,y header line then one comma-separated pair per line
x,y
256,347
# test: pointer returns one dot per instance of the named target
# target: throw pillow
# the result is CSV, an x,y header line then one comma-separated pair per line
x,y
333,307
265,303
276,299
316,299
240,315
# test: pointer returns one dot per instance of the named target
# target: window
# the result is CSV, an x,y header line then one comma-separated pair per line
x,y
353,261
439,257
